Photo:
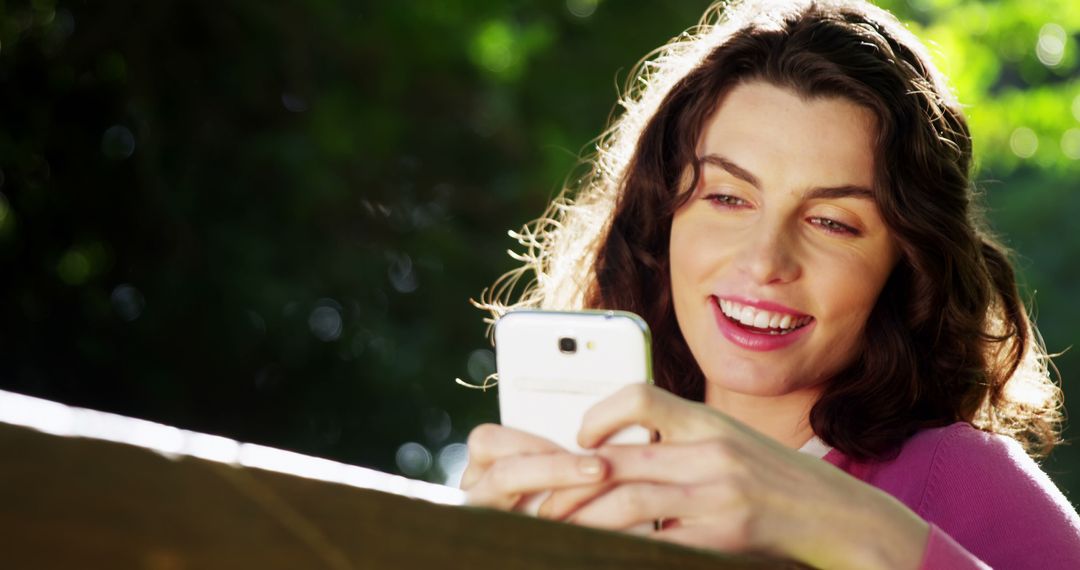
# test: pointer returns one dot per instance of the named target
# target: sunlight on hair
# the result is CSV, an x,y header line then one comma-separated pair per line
x,y
1026,387
58,419
559,248
1028,397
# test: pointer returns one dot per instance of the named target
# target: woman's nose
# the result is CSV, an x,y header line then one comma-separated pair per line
x,y
769,256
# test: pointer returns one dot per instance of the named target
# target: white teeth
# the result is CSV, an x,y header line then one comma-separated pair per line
x,y
746,316
762,319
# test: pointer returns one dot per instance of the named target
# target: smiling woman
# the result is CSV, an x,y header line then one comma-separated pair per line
x,y
779,253
849,378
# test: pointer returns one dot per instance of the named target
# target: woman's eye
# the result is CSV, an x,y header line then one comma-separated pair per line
x,y
726,200
833,226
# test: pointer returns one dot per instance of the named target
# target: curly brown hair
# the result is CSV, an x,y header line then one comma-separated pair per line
x,y
949,338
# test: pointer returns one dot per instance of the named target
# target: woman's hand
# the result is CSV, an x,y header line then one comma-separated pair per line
x,y
718,484
507,465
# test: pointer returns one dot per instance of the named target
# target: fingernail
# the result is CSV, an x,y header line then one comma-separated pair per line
x,y
590,466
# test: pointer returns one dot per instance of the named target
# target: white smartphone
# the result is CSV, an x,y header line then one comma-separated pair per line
x,y
554,365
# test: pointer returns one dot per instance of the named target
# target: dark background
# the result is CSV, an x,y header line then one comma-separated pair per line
x,y
265,220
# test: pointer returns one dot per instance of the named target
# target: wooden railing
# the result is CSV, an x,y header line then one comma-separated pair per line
x,y
81,489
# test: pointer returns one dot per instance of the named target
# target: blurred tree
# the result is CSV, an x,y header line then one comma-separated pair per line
x,y
264,221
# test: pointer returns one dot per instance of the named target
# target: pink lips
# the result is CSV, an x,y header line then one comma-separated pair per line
x,y
758,342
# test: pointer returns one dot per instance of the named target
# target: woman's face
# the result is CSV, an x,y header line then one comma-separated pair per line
x,y
780,253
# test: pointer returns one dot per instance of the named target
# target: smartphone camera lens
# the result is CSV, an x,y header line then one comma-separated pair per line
x,y
567,345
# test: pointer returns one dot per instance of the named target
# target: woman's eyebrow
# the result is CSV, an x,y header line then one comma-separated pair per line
x,y
816,193
732,168
834,192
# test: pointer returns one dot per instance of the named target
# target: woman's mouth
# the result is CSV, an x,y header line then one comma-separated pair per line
x,y
760,321
763,326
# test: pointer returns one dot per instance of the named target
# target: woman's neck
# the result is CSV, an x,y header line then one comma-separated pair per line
x,y
785,418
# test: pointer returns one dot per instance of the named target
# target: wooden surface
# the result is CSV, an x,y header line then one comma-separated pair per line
x,y
69,502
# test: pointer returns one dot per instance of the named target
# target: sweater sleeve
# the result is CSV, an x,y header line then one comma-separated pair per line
x,y
944,552
990,505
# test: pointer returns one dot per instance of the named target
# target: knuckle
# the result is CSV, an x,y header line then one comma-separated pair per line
x,y
482,435
718,455
640,397
468,477
589,418
631,502
500,476
560,502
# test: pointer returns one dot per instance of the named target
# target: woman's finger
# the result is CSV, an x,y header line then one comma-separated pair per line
x,y
716,460
650,407
490,442
631,504
563,502
508,479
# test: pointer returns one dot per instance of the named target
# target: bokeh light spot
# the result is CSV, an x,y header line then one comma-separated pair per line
x,y
1076,107
128,302
437,425
325,320
1024,142
582,8
481,364
452,462
493,47
1050,49
1070,144
83,261
293,103
117,143
73,267
413,459
401,274
63,24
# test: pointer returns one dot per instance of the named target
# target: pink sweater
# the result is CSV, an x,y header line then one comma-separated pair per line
x,y
987,502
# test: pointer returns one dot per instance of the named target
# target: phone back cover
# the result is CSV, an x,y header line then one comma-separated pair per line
x,y
546,392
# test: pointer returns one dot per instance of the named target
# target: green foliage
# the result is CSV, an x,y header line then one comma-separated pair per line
x,y
265,220
1014,65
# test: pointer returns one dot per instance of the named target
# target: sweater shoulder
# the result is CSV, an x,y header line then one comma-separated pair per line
x,y
967,461
908,472
986,492
959,460
982,490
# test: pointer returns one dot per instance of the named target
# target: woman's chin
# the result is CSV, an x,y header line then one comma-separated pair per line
x,y
749,383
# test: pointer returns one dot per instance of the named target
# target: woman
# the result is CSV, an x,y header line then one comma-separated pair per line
x,y
844,366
